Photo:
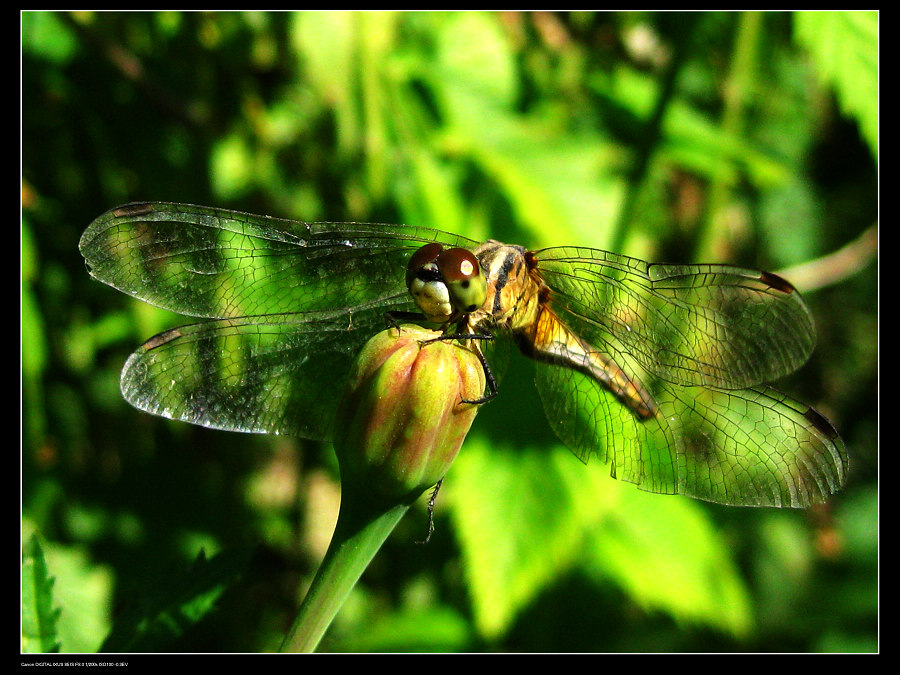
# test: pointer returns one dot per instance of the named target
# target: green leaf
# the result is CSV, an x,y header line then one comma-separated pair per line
x,y
413,629
326,46
175,604
513,545
46,36
526,517
39,617
475,55
666,554
34,348
524,159
692,139
844,46
84,592
231,167
474,82
430,194
82,589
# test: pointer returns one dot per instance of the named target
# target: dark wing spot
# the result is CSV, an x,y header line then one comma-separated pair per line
x,y
161,338
131,210
821,424
776,282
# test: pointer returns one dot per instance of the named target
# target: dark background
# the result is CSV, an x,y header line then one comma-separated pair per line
x,y
721,137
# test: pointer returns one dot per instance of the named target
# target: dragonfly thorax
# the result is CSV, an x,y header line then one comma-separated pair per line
x,y
514,288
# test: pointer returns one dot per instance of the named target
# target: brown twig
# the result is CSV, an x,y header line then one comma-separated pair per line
x,y
835,267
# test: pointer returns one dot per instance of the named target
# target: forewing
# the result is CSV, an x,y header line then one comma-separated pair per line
x,y
276,374
752,447
707,325
215,263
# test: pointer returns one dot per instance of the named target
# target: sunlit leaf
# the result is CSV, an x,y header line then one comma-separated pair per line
x,y
844,46
39,610
669,557
521,514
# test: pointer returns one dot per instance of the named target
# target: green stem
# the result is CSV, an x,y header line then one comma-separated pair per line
x,y
652,135
360,531
739,87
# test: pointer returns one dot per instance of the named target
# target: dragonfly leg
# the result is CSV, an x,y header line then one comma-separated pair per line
x,y
393,319
488,373
489,377
434,493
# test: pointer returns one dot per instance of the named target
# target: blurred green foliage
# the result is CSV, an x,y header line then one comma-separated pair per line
x,y
738,137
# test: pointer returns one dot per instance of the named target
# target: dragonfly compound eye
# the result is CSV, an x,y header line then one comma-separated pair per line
x,y
421,259
461,272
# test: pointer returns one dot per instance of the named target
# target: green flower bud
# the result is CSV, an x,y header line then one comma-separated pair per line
x,y
402,418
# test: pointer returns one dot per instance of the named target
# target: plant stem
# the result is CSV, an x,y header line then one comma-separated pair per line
x,y
360,531
739,87
652,135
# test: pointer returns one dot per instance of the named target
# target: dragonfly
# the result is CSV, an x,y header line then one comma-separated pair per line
x,y
658,370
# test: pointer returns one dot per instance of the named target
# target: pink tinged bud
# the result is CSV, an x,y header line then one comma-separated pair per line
x,y
402,418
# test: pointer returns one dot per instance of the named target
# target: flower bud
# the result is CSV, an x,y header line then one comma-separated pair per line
x,y
402,418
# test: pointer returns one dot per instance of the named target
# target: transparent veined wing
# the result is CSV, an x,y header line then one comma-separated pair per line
x,y
714,325
216,263
750,447
294,302
274,374
698,339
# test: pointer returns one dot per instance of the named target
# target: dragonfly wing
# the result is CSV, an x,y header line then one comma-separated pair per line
x,y
216,263
277,374
753,447
706,325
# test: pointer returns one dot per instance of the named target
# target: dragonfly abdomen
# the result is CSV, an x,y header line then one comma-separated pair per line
x,y
550,341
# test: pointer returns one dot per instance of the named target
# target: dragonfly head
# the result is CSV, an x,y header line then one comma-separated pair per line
x,y
445,282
